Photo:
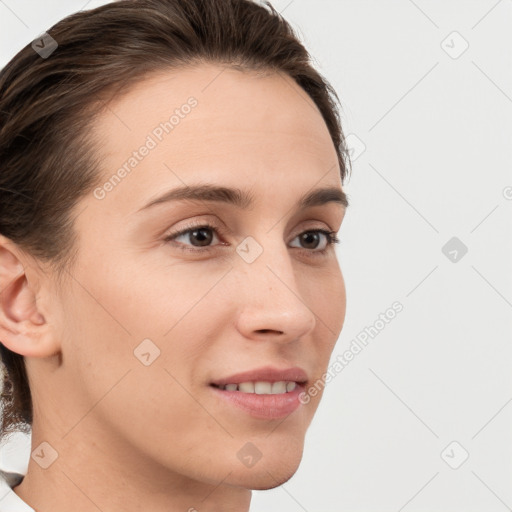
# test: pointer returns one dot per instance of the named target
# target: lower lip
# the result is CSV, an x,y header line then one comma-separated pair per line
x,y
263,406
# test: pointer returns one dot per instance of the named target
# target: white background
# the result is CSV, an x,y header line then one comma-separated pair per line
x,y
435,124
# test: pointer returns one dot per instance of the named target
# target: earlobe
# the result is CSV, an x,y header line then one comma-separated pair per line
x,y
23,328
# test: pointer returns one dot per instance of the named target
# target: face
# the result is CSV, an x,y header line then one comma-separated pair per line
x,y
167,300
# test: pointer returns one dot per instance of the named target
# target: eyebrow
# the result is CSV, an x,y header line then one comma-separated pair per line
x,y
243,199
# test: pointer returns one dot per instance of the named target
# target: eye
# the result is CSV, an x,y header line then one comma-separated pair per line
x,y
314,237
197,239
200,236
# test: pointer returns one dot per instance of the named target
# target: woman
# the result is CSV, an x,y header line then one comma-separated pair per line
x,y
170,194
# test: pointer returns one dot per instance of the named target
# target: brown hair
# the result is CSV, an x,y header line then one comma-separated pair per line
x,y
48,159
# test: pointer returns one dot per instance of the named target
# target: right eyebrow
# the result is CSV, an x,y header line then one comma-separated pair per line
x,y
243,199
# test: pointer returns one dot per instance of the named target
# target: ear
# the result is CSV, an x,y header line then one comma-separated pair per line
x,y
23,326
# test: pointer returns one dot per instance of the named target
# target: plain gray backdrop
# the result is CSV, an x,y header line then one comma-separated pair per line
x,y
420,419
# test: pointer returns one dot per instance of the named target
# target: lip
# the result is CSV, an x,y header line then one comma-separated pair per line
x,y
266,407
265,374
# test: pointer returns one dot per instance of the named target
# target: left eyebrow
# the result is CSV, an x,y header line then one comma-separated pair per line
x,y
243,199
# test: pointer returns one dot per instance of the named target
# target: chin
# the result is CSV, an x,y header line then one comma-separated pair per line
x,y
268,473
267,481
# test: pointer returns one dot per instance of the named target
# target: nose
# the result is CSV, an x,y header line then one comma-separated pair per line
x,y
271,301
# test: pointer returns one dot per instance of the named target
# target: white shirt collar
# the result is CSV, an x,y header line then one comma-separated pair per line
x,y
9,500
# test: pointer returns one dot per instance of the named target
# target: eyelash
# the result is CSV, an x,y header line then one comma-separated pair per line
x,y
331,239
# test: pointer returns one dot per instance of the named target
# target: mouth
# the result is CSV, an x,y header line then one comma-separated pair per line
x,y
265,393
263,381
261,387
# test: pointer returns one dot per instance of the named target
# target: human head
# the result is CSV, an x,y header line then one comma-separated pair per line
x,y
56,123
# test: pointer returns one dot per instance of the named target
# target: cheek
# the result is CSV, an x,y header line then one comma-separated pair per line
x,y
145,302
166,318
328,301
331,304
338,296
121,323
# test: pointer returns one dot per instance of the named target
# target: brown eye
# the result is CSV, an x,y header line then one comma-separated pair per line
x,y
201,236
312,239
199,239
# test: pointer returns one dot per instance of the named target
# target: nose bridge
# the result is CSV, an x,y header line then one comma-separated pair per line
x,y
270,294
266,262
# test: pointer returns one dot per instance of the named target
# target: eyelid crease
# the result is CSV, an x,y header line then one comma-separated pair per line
x,y
213,225
196,225
331,236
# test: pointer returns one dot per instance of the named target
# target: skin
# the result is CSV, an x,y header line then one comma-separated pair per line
x,y
133,437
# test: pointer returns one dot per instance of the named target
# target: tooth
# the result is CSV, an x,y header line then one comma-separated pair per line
x,y
231,387
290,386
262,388
246,387
278,387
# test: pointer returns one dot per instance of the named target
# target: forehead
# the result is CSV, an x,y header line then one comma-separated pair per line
x,y
209,120
230,101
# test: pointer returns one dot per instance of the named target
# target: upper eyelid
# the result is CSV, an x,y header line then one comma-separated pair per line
x,y
220,229
329,234
199,225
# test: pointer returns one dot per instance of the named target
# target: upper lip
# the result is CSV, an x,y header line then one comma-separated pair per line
x,y
265,374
